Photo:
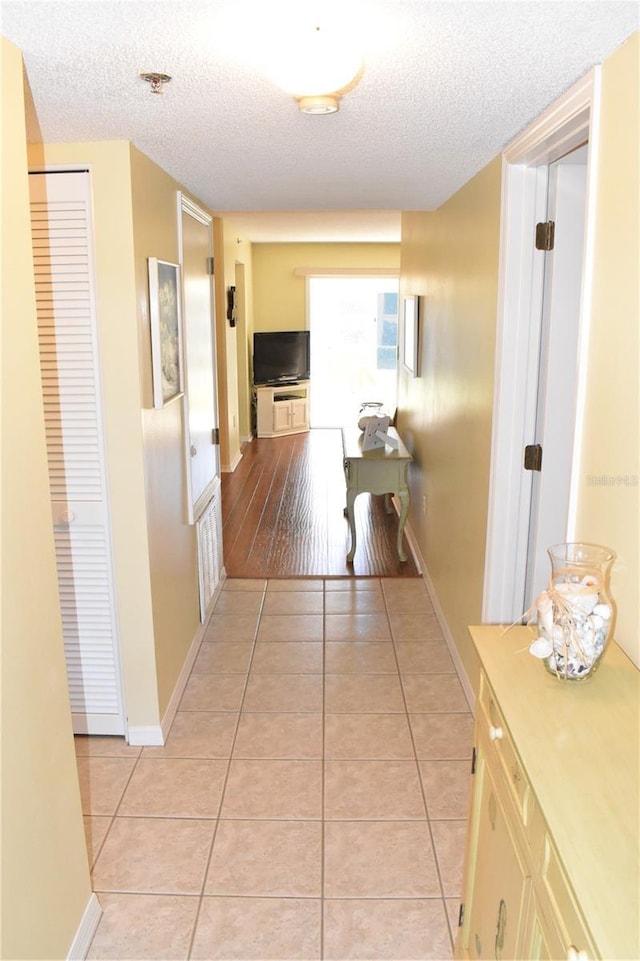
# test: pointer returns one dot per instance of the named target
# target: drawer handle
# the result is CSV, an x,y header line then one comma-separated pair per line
x,y
573,954
495,733
501,929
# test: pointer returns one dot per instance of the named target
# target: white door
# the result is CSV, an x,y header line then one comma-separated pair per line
x,y
67,328
558,367
203,452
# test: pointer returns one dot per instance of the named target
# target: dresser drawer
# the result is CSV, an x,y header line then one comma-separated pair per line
x,y
502,753
563,909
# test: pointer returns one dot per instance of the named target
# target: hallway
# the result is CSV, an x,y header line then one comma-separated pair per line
x,y
283,514
310,801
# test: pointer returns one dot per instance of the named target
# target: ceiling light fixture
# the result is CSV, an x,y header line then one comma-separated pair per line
x,y
317,65
157,80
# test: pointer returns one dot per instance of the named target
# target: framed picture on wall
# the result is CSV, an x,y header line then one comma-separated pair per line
x,y
165,316
410,335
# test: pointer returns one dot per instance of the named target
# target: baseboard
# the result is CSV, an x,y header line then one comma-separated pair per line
x,y
246,440
145,735
86,930
236,460
451,644
448,636
187,667
229,468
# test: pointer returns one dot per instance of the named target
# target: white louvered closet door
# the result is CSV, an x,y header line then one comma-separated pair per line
x,y
67,328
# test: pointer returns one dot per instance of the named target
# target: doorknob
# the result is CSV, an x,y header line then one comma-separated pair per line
x,y
193,450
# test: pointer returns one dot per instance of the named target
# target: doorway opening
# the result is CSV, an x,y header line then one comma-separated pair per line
x,y
354,346
557,368
520,522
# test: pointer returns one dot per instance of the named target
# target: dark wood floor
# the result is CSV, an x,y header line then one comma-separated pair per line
x,y
282,511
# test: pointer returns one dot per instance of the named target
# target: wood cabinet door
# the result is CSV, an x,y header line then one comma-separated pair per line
x,y
281,415
299,414
500,879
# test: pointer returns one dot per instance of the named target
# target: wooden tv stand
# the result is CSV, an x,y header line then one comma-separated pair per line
x,y
282,409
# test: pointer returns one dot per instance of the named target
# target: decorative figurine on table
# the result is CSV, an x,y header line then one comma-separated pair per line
x,y
374,424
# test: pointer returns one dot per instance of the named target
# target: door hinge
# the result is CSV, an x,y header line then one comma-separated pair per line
x,y
545,235
210,265
215,435
533,457
461,916
474,758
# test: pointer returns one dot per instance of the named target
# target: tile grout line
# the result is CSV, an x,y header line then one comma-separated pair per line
x,y
420,782
226,778
112,818
242,712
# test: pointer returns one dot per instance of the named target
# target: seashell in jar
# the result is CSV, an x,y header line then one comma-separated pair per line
x,y
589,580
587,639
602,610
541,648
585,602
544,607
577,597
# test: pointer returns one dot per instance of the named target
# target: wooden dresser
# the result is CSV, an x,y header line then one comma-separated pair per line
x,y
553,862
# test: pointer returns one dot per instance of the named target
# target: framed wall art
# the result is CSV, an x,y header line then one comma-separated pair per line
x,y
165,314
410,335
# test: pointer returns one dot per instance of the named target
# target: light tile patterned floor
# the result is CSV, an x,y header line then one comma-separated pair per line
x,y
310,801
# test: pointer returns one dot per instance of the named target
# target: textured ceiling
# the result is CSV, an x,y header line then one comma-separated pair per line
x,y
444,87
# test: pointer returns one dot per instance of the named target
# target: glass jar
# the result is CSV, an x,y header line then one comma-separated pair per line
x,y
369,408
576,614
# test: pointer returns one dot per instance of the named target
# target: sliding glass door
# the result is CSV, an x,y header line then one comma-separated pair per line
x,y
354,346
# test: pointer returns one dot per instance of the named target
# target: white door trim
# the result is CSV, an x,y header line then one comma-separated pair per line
x,y
569,122
194,509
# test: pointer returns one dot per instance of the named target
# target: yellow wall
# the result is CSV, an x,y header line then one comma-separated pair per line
x,y
225,410
450,259
226,349
280,295
155,552
45,876
244,333
172,541
609,469
233,268
119,340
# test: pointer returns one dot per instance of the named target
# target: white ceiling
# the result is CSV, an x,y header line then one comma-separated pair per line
x,y
280,226
445,86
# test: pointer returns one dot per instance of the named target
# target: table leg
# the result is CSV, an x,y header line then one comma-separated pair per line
x,y
404,511
351,496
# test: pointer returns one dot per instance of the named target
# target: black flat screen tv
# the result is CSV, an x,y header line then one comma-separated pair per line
x,y
281,357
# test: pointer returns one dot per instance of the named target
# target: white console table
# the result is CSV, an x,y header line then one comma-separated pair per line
x,y
379,471
282,409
